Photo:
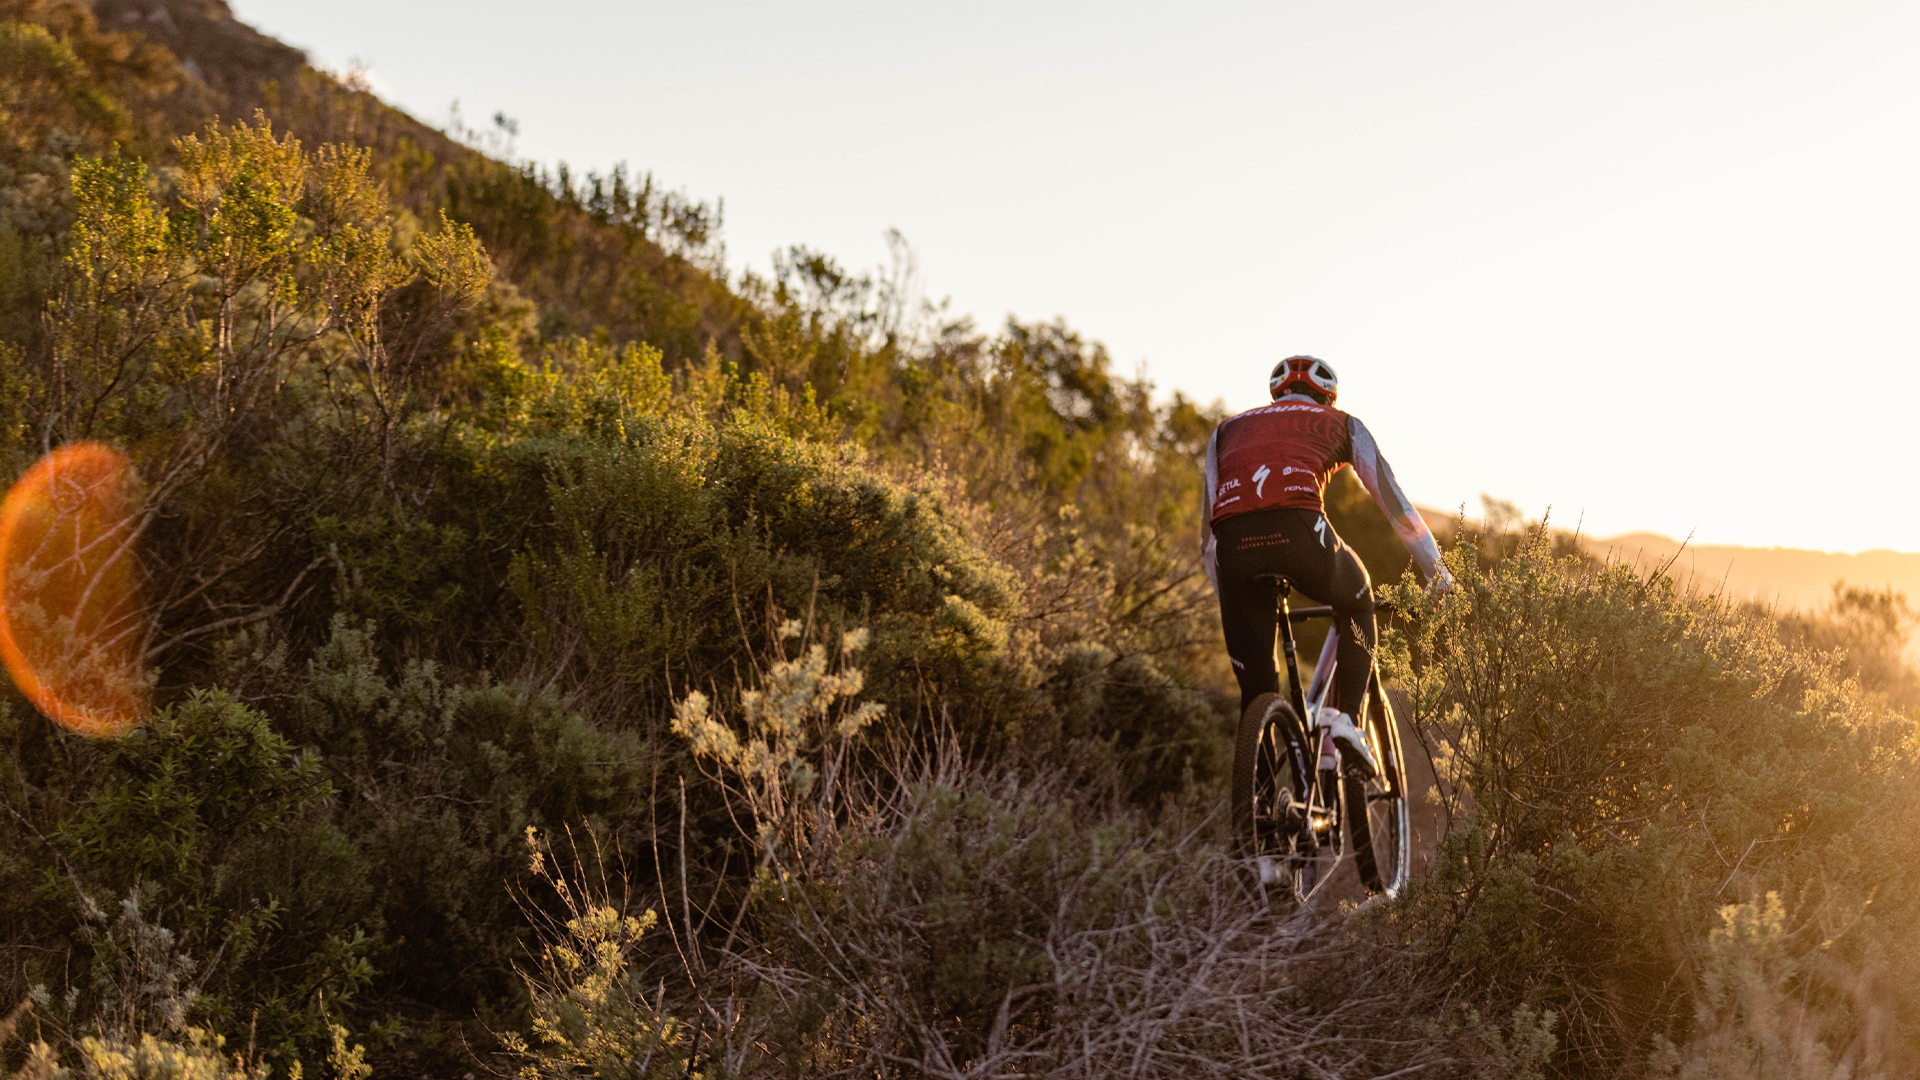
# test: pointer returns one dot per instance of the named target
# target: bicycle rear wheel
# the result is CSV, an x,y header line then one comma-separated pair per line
x,y
1270,791
1376,807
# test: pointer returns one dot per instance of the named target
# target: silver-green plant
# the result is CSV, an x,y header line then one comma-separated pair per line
x,y
784,755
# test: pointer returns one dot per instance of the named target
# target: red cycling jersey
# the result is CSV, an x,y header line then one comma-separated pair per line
x,y
1283,454
1279,455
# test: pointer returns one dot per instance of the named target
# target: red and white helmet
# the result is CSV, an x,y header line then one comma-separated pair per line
x,y
1304,373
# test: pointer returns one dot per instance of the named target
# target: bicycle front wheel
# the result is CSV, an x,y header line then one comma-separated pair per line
x,y
1376,807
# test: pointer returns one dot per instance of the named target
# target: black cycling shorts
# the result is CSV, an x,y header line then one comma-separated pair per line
x,y
1302,546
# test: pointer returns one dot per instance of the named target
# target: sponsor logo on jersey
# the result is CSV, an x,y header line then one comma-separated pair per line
x,y
1226,487
1224,502
1260,481
1285,407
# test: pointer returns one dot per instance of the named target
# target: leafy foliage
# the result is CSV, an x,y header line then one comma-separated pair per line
x,y
1628,765
477,500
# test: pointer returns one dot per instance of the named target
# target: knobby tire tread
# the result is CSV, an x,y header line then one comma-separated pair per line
x,y
1353,792
1246,747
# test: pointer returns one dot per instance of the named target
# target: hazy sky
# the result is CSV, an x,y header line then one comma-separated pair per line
x,y
1656,264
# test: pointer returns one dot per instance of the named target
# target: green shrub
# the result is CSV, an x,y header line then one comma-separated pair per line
x,y
440,780
1625,759
244,903
1771,1008
669,544
1134,729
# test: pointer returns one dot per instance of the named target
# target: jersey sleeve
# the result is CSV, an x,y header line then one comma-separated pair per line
x,y
1210,482
1377,476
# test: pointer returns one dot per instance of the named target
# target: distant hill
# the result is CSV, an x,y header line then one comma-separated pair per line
x,y
1786,577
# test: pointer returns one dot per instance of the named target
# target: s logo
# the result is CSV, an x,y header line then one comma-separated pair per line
x,y
1260,480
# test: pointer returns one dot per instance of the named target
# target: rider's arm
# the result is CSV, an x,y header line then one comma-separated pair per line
x,y
1210,482
1377,476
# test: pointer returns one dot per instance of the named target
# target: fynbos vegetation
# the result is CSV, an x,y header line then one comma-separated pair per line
x,y
566,657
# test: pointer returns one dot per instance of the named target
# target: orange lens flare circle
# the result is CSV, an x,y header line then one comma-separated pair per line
x,y
72,633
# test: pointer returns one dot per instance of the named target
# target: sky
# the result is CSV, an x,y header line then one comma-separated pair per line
x,y
1653,266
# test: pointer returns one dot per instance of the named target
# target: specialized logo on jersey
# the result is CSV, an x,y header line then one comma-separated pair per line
x,y
1260,481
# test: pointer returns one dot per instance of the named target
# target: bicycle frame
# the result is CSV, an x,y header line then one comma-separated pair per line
x,y
1322,804
1294,805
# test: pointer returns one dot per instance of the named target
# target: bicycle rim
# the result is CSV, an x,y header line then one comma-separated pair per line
x,y
1376,808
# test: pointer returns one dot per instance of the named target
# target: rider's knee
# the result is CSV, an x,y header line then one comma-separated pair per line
x,y
1358,606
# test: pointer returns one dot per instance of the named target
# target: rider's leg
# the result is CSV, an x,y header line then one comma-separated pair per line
x,y
1325,568
1321,565
1248,614
1352,602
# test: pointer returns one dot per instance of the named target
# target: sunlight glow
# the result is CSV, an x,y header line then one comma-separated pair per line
x,y
71,631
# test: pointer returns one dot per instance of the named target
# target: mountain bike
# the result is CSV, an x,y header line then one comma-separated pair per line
x,y
1292,792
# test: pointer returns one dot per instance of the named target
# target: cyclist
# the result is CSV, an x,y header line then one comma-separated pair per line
x,y
1262,513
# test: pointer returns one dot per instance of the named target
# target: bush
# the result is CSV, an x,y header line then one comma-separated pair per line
x,y
664,542
589,1007
1627,759
196,1054
440,781
1134,731
244,905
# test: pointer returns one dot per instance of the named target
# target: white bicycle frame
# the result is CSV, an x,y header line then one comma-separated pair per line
x,y
1317,688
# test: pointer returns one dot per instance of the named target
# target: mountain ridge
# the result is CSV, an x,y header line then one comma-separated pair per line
x,y
1787,577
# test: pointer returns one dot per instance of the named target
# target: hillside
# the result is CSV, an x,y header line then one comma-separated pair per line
x,y
1786,580
541,650
1786,577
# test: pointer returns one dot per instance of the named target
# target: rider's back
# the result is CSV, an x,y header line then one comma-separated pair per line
x,y
1278,455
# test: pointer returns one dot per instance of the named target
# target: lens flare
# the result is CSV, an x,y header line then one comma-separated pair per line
x,y
71,628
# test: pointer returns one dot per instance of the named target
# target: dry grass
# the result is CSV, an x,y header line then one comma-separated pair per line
x,y
956,921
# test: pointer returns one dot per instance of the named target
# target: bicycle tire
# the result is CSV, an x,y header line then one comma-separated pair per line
x,y
1264,760
1376,807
